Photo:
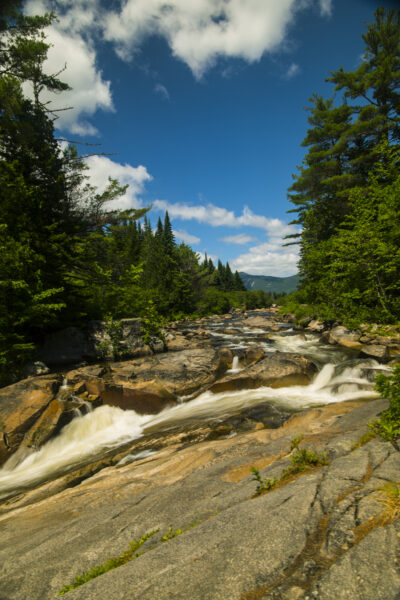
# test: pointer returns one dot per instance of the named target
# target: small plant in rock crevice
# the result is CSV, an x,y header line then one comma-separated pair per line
x,y
171,534
301,461
111,563
263,484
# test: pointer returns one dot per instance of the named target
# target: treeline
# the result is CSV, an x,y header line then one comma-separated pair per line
x,y
346,193
65,255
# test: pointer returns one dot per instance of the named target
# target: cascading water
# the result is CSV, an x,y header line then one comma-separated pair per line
x,y
235,365
106,428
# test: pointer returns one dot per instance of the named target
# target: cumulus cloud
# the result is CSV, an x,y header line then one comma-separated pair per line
x,y
268,259
101,167
218,216
240,238
201,31
185,237
72,41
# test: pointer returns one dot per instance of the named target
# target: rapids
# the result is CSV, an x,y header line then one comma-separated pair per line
x,y
90,436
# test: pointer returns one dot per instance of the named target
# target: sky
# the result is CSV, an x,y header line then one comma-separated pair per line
x,y
199,105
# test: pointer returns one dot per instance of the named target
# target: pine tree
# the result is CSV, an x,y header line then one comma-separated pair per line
x,y
168,236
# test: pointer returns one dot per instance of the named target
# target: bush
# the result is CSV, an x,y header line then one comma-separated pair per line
x,y
388,425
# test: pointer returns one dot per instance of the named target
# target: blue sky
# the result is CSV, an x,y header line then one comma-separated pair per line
x,y
200,104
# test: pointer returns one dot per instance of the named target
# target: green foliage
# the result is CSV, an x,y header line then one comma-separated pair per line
x,y
301,461
130,554
304,459
294,444
264,485
346,192
111,563
388,425
171,534
364,439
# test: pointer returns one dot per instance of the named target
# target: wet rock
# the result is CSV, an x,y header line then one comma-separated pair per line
x,y
345,337
375,351
316,325
259,321
253,354
21,405
46,426
276,370
233,545
225,359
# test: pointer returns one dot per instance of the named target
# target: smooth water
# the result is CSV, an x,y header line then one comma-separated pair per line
x,y
89,436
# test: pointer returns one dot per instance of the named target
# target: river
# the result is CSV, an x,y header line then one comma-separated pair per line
x,y
89,436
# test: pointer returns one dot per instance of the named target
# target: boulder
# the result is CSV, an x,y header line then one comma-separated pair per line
x,y
149,384
253,354
21,405
277,370
316,325
259,321
344,337
375,351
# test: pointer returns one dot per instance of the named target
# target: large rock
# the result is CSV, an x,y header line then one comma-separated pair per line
x,y
258,321
345,337
375,351
21,405
277,370
316,325
315,536
149,384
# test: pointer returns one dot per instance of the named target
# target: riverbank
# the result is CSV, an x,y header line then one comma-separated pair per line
x,y
166,442
314,537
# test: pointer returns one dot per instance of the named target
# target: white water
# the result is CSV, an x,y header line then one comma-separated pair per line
x,y
93,434
235,366
84,438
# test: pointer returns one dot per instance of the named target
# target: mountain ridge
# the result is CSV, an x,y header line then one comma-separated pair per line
x,y
269,283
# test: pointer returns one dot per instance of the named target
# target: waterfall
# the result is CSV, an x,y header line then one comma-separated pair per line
x,y
105,428
235,365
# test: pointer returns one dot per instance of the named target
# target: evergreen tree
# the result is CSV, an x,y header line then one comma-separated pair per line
x,y
168,236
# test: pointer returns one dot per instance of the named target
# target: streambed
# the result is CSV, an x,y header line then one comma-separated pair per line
x,y
108,430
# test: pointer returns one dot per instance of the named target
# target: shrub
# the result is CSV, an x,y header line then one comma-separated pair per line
x,y
388,425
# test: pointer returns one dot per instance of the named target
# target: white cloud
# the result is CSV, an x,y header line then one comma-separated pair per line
x,y
200,31
218,216
325,7
101,167
162,90
268,259
292,71
185,237
72,42
240,238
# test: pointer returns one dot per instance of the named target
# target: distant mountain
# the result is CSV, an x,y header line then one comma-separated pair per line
x,y
268,283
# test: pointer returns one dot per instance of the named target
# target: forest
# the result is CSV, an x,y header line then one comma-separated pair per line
x,y
66,255
346,192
